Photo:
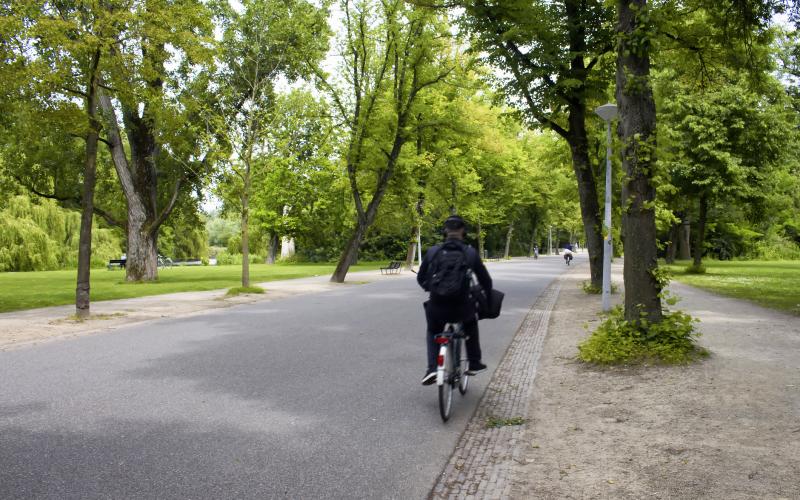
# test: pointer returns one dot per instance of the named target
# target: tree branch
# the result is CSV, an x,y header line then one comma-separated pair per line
x,y
72,202
168,209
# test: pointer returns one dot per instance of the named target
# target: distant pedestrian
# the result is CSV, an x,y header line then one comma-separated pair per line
x,y
535,252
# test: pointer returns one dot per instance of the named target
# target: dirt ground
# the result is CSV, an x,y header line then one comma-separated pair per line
x,y
24,328
727,427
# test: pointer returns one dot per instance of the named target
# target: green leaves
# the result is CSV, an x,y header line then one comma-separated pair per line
x,y
617,341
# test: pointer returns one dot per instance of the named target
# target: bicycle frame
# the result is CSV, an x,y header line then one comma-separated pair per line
x,y
449,345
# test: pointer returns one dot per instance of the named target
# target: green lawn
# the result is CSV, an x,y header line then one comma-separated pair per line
x,y
774,284
51,288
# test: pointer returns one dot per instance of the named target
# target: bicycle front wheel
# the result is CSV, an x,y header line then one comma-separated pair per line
x,y
463,380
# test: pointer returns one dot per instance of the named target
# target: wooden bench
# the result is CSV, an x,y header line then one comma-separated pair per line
x,y
392,268
118,263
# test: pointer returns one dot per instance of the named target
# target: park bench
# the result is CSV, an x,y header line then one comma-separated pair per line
x,y
118,263
392,268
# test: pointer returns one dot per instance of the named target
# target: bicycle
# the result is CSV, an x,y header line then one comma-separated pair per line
x,y
451,366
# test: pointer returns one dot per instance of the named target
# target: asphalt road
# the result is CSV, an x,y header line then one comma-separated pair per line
x,y
315,396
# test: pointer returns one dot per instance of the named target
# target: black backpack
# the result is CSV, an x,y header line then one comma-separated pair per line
x,y
449,275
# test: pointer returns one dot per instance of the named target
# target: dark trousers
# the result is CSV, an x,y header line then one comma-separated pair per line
x,y
437,317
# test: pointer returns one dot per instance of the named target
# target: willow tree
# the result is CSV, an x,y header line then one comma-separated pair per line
x,y
392,51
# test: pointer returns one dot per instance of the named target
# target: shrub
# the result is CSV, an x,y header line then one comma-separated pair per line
x,y
596,290
775,247
294,259
618,341
225,258
591,289
694,269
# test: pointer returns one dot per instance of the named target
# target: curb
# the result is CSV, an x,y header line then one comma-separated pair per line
x,y
481,465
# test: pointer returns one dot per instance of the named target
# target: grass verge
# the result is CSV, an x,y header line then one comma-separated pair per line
x,y
238,290
771,284
30,290
493,422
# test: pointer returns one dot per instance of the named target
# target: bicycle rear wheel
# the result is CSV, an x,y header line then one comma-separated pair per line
x,y
446,389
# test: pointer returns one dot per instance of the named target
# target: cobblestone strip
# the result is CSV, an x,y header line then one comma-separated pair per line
x,y
481,464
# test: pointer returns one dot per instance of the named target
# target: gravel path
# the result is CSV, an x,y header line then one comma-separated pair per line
x,y
35,326
727,427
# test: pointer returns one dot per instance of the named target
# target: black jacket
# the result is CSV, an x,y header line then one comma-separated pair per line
x,y
473,261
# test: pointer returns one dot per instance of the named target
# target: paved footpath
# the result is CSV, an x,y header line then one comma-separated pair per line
x,y
312,395
482,461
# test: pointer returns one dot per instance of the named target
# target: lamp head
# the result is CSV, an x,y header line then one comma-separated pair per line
x,y
607,111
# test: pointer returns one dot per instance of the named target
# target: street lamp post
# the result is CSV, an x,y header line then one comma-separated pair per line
x,y
607,112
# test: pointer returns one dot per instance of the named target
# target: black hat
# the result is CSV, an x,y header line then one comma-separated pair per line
x,y
454,223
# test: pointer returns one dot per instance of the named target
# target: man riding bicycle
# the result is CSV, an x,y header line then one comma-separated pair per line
x,y
446,273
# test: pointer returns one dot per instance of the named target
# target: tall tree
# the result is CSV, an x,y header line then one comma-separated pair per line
x,y
152,108
726,142
57,50
269,40
391,52
552,53
637,131
294,179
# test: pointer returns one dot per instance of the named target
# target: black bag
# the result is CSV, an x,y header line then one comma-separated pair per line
x,y
488,307
449,274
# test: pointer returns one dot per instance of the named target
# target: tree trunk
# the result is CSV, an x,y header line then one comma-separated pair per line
x,y
139,183
412,248
272,252
350,253
685,239
700,239
579,143
533,241
637,131
141,262
365,218
287,247
82,289
479,236
246,229
508,241
587,193
672,246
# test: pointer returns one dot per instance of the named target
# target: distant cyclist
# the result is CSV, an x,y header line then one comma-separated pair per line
x,y
568,255
446,273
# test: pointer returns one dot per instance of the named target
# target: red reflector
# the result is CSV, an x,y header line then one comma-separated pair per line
x,y
440,340
440,360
